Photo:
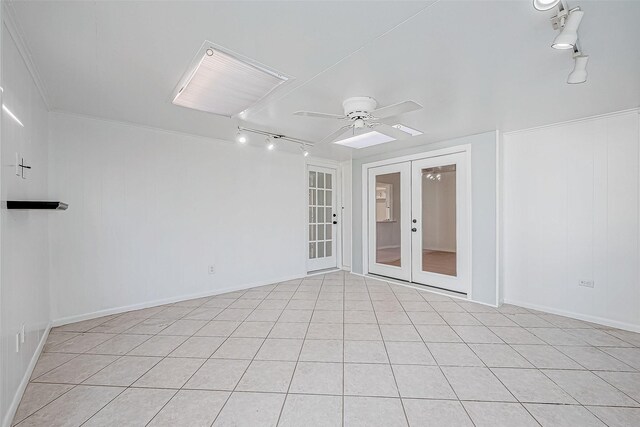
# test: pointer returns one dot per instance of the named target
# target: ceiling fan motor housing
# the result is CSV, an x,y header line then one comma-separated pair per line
x,y
359,107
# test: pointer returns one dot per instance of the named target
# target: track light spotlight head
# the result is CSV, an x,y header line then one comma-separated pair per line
x,y
579,73
270,145
304,150
241,137
545,4
569,35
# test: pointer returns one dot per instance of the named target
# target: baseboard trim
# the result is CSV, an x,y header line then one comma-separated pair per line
x,y
123,309
585,317
17,397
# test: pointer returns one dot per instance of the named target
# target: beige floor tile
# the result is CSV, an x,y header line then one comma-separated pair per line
x,y
362,332
322,351
495,414
436,413
238,348
251,410
617,417
199,347
546,357
327,316
280,349
253,330
399,333
77,370
80,343
627,382
288,330
373,411
409,353
311,410
262,315
438,333
325,331
594,359
193,408
203,313
267,376
563,415
472,383
425,382
49,361
589,389
72,408
119,345
218,328
500,356
630,356
124,371
150,326
36,396
532,386
515,335
218,374
158,346
369,380
303,316
317,378
477,334
134,407
454,354
359,317
365,352
183,327
170,373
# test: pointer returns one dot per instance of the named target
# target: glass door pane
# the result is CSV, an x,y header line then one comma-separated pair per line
x,y
388,211
439,243
321,216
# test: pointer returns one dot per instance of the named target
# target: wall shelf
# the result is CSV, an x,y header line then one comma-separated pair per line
x,y
40,205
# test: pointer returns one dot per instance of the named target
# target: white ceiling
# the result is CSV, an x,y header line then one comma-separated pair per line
x,y
474,65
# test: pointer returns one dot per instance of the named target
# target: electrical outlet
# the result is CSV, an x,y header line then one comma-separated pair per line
x,y
22,334
586,283
212,269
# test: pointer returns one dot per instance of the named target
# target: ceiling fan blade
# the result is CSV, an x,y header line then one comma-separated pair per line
x,y
336,134
319,115
391,131
395,109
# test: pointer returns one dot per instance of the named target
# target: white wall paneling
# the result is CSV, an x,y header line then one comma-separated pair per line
x,y
571,197
24,278
151,210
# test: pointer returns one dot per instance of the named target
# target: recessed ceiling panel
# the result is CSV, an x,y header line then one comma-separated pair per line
x,y
224,83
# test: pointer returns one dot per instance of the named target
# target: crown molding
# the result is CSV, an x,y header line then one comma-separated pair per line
x,y
10,21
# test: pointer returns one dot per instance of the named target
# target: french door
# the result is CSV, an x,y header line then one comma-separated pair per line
x,y
418,222
322,218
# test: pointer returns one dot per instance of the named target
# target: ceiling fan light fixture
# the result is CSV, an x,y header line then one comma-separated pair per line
x,y
365,140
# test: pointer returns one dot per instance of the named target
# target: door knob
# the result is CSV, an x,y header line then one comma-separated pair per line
x,y
335,222
414,229
414,221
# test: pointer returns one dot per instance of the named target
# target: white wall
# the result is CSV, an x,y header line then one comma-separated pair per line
x,y
571,198
150,210
24,290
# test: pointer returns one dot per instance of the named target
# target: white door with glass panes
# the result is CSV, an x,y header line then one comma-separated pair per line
x,y
322,218
418,220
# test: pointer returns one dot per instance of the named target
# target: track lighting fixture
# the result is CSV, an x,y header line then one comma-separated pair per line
x,y
545,4
568,36
579,73
567,21
271,139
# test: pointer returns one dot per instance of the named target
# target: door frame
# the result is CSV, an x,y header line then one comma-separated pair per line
x,y
464,148
323,163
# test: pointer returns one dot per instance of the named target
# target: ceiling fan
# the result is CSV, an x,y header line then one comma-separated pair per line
x,y
361,112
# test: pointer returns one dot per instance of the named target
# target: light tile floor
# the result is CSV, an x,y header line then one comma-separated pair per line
x,y
334,350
